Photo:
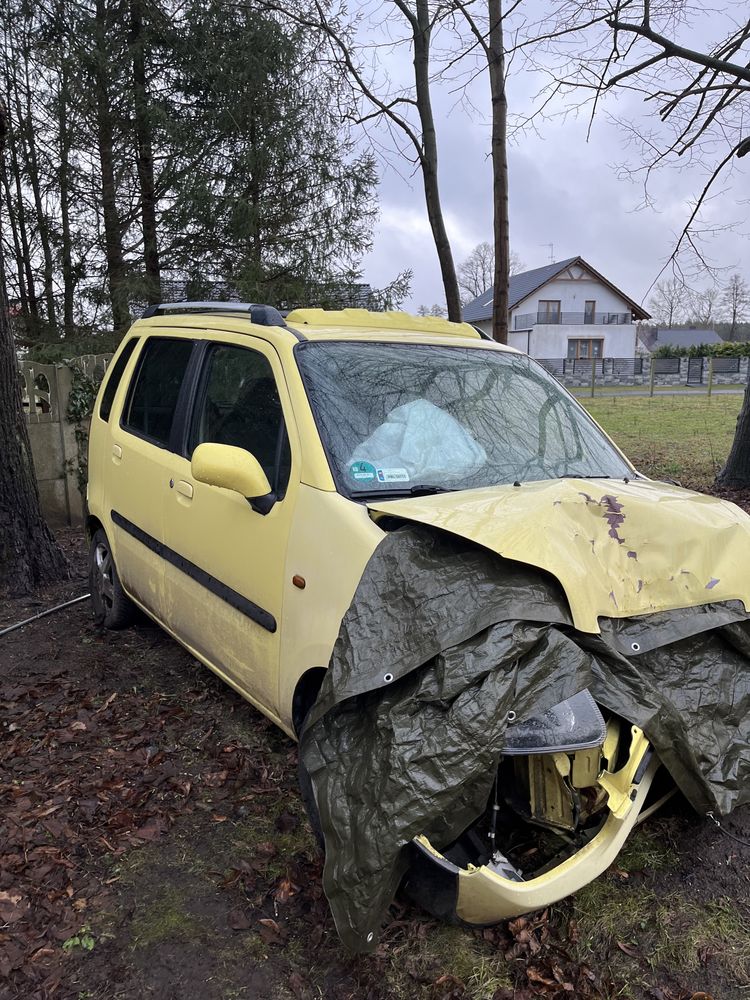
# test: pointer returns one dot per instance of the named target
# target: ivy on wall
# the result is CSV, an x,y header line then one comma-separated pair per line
x,y
83,392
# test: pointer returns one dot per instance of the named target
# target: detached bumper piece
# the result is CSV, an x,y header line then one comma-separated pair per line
x,y
480,895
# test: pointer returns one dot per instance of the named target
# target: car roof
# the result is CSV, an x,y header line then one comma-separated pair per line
x,y
313,324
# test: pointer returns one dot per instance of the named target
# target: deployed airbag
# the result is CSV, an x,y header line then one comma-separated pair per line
x,y
424,442
441,641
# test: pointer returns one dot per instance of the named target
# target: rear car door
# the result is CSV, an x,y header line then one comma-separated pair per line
x,y
224,590
139,466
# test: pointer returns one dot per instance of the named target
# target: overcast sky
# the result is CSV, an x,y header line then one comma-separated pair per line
x,y
564,191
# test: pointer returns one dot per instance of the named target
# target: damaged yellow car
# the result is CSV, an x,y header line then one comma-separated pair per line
x,y
499,645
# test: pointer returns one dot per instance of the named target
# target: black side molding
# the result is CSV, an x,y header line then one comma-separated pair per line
x,y
246,607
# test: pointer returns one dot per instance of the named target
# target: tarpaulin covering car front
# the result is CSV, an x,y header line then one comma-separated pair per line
x,y
442,641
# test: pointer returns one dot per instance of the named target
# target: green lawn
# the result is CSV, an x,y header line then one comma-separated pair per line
x,y
673,437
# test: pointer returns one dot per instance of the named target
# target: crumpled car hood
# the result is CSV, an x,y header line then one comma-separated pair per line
x,y
617,548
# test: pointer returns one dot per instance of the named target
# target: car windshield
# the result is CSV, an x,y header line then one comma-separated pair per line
x,y
411,418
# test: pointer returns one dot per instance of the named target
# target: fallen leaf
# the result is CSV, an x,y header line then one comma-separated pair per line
x,y
629,949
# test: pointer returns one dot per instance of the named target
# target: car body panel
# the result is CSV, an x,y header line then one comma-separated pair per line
x,y
618,548
331,558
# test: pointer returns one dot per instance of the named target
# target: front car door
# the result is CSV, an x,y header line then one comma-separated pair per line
x,y
226,565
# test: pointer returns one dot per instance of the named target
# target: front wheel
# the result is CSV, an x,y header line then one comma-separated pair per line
x,y
111,606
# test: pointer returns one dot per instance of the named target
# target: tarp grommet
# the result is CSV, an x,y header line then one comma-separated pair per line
x,y
636,647
511,716
387,678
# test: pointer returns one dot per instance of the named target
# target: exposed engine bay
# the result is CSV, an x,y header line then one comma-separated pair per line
x,y
561,774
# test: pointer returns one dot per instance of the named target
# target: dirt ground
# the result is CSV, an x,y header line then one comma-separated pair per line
x,y
153,844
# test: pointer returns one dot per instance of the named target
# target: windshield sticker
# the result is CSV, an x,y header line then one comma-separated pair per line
x,y
362,471
393,476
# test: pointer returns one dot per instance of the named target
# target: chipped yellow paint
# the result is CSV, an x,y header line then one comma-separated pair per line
x,y
618,549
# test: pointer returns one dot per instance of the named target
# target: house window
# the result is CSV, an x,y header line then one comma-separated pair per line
x,y
549,311
585,348
589,313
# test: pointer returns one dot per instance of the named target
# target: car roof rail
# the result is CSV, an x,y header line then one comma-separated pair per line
x,y
260,314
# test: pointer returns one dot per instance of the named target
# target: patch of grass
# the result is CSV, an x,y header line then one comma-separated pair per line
x,y
449,951
260,828
671,931
643,852
164,918
671,437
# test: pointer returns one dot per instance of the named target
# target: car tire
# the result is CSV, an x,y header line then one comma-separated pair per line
x,y
111,606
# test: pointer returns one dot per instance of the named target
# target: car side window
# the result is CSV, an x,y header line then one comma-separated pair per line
x,y
114,377
153,398
240,406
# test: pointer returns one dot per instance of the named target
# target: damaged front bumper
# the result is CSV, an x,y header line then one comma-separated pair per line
x,y
454,888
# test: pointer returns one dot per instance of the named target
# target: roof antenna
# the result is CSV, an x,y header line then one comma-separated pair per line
x,y
551,251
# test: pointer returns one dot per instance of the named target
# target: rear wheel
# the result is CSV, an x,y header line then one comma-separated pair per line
x,y
111,606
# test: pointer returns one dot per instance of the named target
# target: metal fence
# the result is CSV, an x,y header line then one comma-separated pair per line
x,y
526,320
603,366
641,371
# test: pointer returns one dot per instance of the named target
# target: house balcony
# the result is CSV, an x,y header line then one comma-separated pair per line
x,y
527,321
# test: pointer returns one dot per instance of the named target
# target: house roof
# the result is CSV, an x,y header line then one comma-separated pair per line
x,y
523,284
686,338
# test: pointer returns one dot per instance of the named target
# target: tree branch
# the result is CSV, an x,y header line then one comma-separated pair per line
x,y
672,49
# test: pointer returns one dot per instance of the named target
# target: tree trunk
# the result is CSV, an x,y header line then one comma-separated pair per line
x,y
64,182
20,277
421,31
28,145
499,172
736,473
105,142
29,554
144,156
23,232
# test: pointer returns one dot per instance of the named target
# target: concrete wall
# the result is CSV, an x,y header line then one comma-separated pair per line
x,y
550,340
45,391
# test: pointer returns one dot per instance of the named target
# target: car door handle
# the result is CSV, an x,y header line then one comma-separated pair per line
x,y
184,489
116,453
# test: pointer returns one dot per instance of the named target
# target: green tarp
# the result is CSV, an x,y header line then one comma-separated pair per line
x,y
441,641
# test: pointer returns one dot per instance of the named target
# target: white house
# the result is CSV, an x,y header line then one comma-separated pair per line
x,y
564,310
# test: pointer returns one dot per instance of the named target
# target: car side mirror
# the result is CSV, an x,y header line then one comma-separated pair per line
x,y
233,469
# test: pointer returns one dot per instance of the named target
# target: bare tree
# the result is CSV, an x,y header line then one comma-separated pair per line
x,y
488,38
700,96
29,554
668,302
476,272
702,305
406,112
736,301
433,310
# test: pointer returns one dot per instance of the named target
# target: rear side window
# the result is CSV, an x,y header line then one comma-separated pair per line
x,y
153,398
114,377
240,406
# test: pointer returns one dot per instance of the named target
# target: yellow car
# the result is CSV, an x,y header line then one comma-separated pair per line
x,y
244,468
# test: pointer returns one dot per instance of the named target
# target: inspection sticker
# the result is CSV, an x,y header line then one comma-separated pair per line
x,y
393,476
362,471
